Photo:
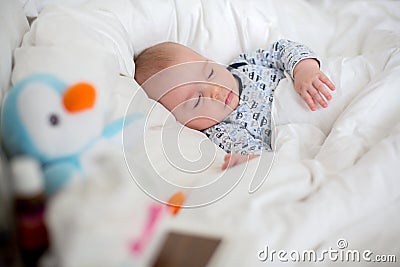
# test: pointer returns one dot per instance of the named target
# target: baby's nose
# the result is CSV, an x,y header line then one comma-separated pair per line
x,y
216,94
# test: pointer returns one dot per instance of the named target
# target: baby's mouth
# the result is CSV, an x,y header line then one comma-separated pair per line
x,y
229,98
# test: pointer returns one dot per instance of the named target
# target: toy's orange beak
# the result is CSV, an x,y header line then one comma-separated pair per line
x,y
79,97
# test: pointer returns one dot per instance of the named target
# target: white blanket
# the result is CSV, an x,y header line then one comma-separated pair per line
x,y
335,172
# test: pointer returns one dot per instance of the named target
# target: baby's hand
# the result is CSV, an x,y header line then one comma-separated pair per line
x,y
231,160
312,84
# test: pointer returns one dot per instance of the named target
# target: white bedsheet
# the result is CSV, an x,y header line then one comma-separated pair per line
x,y
335,173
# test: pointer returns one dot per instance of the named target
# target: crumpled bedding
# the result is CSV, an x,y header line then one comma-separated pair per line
x,y
334,172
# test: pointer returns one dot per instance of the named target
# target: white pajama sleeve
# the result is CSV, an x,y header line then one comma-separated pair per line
x,y
283,54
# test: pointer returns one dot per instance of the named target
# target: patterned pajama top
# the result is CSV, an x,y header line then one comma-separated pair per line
x,y
247,130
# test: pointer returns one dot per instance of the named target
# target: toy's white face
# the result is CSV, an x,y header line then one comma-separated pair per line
x,y
54,131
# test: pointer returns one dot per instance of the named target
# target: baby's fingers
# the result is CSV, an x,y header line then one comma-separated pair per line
x,y
322,90
327,82
315,93
309,100
228,162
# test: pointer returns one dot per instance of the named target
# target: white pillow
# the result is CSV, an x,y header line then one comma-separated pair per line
x,y
32,8
84,26
14,24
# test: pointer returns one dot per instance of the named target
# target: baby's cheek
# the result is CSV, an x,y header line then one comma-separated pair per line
x,y
200,123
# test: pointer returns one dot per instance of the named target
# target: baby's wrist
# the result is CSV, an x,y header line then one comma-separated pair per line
x,y
307,63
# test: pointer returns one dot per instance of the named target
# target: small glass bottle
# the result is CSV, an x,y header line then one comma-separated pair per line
x,y
30,204
9,254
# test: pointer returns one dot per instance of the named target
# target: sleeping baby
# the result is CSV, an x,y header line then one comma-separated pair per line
x,y
231,105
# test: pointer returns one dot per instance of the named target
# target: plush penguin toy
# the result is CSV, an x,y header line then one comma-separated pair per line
x,y
47,119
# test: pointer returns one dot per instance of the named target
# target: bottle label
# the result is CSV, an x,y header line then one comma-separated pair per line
x,y
32,232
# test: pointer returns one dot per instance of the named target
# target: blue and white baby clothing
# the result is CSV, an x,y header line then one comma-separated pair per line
x,y
247,130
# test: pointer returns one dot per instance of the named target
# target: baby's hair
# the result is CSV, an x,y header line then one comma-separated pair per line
x,y
152,60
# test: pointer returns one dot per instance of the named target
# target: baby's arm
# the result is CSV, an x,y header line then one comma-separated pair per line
x,y
231,160
283,55
297,60
236,141
311,83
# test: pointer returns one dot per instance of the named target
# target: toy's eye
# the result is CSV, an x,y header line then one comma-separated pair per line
x,y
54,120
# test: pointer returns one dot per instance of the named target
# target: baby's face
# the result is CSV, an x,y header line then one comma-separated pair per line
x,y
207,98
200,93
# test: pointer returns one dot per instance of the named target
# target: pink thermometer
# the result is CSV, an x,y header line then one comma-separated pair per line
x,y
155,212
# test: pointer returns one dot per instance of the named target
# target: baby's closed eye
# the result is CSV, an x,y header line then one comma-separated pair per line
x,y
198,101
211,75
